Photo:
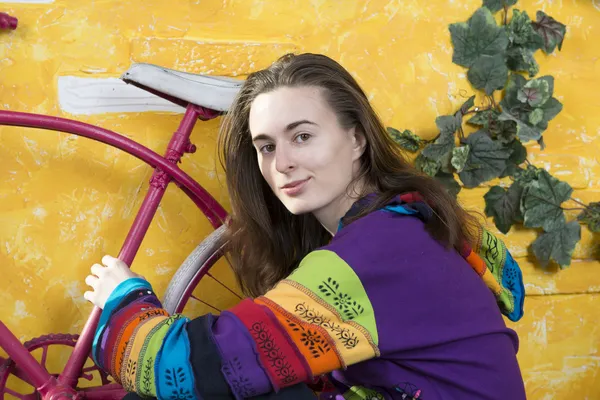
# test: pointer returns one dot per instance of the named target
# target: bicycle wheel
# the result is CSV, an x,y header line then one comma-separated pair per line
x,y
203,282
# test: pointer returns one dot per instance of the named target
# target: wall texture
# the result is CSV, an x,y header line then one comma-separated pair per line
x,y
66,201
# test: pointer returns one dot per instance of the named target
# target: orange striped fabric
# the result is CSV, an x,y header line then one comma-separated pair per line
x,y
317,347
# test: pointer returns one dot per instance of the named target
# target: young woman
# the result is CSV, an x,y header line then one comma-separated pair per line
x,y
356,266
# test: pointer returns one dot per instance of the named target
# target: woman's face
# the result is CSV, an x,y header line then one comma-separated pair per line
x,y
304,154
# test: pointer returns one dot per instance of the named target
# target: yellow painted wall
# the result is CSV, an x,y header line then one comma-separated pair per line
x,y
65,201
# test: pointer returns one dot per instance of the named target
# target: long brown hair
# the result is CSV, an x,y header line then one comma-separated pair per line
x,y
266,241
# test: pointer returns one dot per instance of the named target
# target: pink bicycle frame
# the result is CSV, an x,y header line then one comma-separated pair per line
x,y
165,170
8,22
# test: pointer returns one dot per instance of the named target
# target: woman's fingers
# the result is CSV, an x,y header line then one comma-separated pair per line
x,y
89,296
111,261
105,279
98,270
91,280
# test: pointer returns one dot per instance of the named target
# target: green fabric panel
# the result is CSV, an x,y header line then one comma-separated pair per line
x,y
331,279
145,380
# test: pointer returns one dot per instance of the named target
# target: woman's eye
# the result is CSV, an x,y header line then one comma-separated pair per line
x,y
267,148
303,137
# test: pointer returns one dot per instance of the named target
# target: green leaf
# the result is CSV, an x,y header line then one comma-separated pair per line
x,y
406,139
504,131
517,157
487,159
438,149
504,206
542,202
449,182
536,116
557,245
488,73
459,157
519,152
446,163
464,108
525,132
497,5
550,80
521,59
591,217
535,92
551,31
528,175
541,143
510,102
448,125
480,35
521,33
427,165
484,118
551,109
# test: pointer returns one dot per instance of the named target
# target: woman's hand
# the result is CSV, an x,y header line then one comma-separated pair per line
x,y
105,278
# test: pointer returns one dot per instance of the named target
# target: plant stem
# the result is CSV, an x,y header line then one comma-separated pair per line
x,y
505,14
527,161
578,202
478,110
573,209
491,97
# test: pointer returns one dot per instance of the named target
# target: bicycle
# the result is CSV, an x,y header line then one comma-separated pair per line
x,y
203,97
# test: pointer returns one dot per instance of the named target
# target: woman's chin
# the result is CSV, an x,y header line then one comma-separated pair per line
x,y
297,206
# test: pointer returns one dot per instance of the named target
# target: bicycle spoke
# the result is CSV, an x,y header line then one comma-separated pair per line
x,y
86,376
32,396
13,393
225,286
203,302
88,369
44,355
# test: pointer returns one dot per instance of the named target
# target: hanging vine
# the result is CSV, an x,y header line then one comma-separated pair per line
x,y
501,64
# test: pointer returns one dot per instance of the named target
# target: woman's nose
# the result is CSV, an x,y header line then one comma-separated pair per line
x,y
283,160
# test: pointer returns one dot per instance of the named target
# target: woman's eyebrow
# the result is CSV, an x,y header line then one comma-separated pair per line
x,y
298,123
289,127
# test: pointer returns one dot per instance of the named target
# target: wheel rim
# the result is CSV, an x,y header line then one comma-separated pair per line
x,y
194,301
204,283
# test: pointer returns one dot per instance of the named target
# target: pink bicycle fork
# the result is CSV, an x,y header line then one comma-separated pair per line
x,y
63,387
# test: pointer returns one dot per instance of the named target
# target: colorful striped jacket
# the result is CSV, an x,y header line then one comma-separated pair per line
x,y
384,309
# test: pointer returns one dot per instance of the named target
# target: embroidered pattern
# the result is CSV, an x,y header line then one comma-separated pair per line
x,y
348,338
492,252
328,279
511,278
265,342
152,313
312,339
122,355
240,384
342,301
174,379
129,374
147,376
321,362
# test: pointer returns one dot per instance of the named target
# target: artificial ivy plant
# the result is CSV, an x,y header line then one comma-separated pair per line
x,y
501,64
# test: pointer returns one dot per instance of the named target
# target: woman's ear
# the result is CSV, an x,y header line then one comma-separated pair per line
x,y
359,142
